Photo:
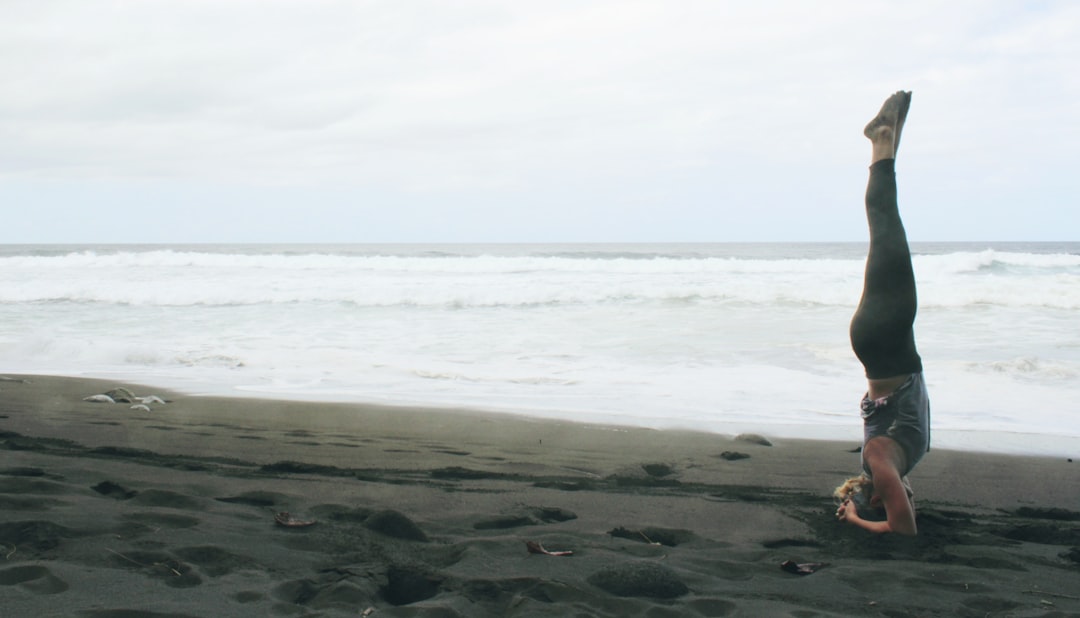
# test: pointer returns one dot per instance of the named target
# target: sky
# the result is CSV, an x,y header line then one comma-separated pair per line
x,y
230,121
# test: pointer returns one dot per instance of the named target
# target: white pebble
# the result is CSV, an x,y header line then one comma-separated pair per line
x,y
99,399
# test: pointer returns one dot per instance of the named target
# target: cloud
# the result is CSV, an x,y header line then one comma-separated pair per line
x,y
505,99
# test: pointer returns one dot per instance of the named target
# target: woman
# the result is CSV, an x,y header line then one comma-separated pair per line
x,y
896,408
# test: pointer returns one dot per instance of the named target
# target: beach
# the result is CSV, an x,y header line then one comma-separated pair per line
x,y
111,511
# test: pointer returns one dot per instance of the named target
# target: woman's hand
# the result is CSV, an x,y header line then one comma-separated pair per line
x,y
847,512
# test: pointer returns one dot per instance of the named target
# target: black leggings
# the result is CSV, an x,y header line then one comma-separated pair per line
x,y
881,329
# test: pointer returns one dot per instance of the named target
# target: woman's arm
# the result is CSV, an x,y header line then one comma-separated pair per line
x,y
848,513
881,455
898,509
900,519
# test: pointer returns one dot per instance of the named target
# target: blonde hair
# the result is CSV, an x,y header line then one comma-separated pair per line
x,y
854,485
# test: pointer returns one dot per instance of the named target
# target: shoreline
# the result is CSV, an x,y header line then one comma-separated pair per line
x,y
978,441
108,510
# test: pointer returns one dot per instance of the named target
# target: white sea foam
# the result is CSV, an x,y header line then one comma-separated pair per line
x,y
182,278
715,337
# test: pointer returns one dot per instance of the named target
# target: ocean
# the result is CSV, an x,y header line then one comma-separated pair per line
x,y
723,338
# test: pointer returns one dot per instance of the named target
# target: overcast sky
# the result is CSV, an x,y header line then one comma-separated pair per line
x,y
508,121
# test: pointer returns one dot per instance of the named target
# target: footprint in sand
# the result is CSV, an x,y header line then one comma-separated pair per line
x,y
166,498
28,485
157,565
215,561
639,579
157,520
33,578
114,491
530,516
257,498
394,524
33,537
670,537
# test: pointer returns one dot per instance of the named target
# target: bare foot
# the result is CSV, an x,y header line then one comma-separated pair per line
x,y
883,126
900,119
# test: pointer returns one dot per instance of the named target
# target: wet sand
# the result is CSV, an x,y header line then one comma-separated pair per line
x,y
108,511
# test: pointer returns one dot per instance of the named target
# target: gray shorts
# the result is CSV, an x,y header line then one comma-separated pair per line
x,y
904,416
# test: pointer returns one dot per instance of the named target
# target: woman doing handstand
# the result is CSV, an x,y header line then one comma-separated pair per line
x,y
896,408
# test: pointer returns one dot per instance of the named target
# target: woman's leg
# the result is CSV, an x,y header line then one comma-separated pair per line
x,y
882,334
